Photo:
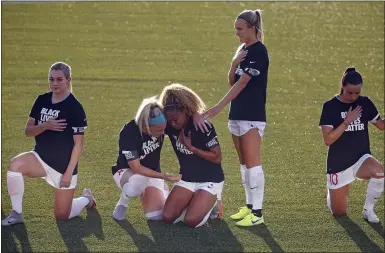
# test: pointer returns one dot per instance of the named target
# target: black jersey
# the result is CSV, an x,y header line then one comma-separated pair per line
x,y
354,142
250,103
136,145
192,167
54,147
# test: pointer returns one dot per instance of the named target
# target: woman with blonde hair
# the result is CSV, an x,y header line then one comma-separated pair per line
x,y
247,79
57,121
195,195
137,170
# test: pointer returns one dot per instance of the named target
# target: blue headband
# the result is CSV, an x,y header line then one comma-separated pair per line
x,y
160,119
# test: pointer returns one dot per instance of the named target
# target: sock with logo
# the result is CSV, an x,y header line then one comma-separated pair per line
x,y
373,192
15,185
257,187
77,206
244,175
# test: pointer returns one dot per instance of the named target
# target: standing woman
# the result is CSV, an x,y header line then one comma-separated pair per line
x,y
57,121
137,171
344,123
247,118
194,197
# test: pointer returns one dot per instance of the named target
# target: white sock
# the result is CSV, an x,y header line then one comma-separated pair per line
x,y
245,176
256,186
77,206
15,185
156,215
124,200
373,192
328,202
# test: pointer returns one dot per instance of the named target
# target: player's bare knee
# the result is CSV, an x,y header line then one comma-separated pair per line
x,y
192,222
167,218
60,215
15,165
379,172
339,211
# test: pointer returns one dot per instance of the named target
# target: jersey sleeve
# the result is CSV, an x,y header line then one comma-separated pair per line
x,y
371,111
210,139
256,63
35,111
326,119
128,143
78,120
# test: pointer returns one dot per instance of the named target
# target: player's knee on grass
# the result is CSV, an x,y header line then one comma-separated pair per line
x,y
192,222
61,215
338,211
168,217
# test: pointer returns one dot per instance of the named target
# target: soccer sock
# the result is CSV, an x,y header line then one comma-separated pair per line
x,y
77,206
156,215
373,192
15,185
244,175
257,188
124,200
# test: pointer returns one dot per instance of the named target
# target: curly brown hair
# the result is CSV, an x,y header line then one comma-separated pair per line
x,y
179,94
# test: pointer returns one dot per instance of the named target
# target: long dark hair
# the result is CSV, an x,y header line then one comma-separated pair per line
x,y
351,76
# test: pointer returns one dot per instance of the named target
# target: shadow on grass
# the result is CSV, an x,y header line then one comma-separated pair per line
x,y
73,230
8,234
215,236
378,227
357,235
263,231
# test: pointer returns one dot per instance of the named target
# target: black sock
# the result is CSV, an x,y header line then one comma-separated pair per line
x,y
257,212
249,206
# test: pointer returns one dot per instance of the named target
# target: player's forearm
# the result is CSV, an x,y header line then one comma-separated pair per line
x,y
232,94
31,131
231,75
207,155
144,171
75,156
380,124
336,133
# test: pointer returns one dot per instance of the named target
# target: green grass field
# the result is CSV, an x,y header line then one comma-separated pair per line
x,y
122,52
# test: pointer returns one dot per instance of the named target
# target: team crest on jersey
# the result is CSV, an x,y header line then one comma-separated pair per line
x,y
128,154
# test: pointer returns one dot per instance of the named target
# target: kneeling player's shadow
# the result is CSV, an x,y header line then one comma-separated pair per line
x,y
358,235
8,243
142,242
263,231
378,227
72,231
214,236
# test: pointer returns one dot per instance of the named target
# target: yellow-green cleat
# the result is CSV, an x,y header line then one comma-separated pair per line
x,y
243,212
250,220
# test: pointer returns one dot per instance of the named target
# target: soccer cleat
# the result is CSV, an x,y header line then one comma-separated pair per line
x,y
88,194
12,219
217,211
243,212
119,212
250,220
370,216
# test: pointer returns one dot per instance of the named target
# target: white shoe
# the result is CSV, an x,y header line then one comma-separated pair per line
x,y
370,216
119,212
88,194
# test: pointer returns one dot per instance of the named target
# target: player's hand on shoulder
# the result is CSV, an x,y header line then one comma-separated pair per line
x,y
201,123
